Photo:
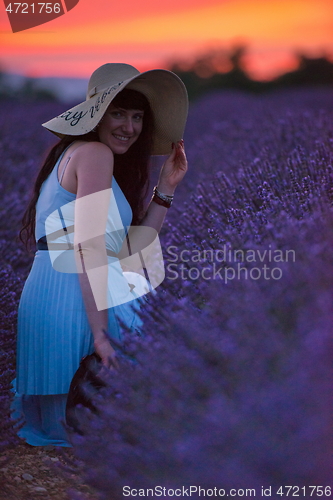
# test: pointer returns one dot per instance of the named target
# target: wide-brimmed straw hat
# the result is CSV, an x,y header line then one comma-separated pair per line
x,y
164,90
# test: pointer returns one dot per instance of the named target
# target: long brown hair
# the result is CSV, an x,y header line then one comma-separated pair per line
x,y
131,169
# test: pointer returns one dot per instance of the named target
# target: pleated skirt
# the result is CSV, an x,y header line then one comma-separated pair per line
x,y
43,416
53,329
53,335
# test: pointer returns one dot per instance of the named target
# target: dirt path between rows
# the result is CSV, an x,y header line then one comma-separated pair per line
x,y
34,472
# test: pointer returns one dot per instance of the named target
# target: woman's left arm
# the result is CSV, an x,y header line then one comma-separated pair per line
x,y
172,172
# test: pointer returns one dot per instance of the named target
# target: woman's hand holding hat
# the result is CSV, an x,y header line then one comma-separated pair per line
x,y
173,169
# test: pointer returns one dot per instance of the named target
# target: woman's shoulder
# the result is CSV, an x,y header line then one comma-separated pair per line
x,y
90,147
92,167
87,153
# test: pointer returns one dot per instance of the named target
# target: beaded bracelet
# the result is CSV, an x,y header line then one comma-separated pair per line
x,y
165,197
163,203
165,200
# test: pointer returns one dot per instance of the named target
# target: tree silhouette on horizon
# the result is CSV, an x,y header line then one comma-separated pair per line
x,y
222,69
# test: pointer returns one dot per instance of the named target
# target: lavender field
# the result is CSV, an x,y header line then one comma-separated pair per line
x,y
232,384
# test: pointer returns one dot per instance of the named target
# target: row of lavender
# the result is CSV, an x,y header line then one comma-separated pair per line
x,y
232,383
22,147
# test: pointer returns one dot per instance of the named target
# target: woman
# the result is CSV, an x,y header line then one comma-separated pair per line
x,y
95,179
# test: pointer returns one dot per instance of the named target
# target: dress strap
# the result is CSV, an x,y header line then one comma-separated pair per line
x,y
67,161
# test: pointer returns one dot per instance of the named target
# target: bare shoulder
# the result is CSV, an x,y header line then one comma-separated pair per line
x,y
92,150
93,164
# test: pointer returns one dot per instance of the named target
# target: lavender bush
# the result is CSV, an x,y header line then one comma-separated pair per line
x,y
232,382
9,288
22,145
232,390
231,387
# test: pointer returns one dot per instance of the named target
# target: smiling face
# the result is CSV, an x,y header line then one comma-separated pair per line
x,y
120,128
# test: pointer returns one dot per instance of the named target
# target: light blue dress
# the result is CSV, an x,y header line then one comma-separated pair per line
x,y
53,329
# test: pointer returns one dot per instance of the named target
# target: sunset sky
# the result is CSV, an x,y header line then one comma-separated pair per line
x,y
150,33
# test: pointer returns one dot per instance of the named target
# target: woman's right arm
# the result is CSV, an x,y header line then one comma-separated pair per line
x,y
93,166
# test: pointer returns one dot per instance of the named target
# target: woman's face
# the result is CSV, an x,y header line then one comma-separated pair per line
x,y
120,128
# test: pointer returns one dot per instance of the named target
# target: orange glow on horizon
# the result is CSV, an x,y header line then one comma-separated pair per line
x,y
150,37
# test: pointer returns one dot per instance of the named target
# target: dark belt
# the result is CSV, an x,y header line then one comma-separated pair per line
x,y
43,245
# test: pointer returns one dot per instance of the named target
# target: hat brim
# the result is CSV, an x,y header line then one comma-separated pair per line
x,y
167,97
